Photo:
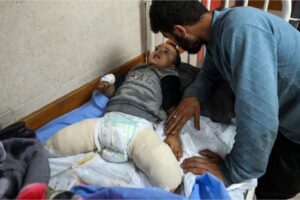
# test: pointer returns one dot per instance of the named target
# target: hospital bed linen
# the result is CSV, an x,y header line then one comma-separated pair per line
x,y
214,136
217,137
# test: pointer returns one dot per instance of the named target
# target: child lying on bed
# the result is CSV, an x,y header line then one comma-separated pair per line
x,y
127,129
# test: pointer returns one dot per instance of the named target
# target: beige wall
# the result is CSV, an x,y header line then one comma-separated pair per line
x,y
49,48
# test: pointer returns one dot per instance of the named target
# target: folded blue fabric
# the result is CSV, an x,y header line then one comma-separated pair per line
x,y
206,187
94,108
94,192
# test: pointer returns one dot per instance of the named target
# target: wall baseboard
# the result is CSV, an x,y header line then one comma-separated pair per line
x,y
73,99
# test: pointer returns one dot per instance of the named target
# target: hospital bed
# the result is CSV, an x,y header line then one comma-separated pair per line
x,y
138,179
91,169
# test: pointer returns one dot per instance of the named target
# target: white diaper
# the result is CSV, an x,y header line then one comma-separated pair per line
x,y
115,131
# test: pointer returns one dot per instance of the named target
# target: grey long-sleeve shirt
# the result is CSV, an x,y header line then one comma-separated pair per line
x,y
147,92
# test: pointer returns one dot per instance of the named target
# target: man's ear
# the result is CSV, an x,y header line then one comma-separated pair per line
x,y
180,30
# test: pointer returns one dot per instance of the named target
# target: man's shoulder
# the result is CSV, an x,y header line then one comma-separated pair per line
x,y
240,16
240,13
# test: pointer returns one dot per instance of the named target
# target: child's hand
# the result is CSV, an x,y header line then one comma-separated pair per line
x,y
105,88
102,86
175,144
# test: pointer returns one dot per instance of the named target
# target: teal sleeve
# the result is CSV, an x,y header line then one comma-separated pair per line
x,y
205,80
251,55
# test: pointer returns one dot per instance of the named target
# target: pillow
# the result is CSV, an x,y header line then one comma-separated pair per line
x,y
187,74
219,107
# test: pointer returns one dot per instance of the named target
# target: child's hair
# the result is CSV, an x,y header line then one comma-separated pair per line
x,y
177,58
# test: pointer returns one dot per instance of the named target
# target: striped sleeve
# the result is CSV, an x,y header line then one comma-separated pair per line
x,y
251,54
205,80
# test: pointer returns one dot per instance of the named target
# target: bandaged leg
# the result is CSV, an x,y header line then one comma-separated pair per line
x,y
74,139
155,159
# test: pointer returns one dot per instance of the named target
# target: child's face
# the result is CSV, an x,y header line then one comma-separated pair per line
x,y
164,55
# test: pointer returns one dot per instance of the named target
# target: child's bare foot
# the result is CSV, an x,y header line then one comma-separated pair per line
x,y
175,144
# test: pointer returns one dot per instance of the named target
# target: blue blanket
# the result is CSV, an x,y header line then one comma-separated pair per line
x,y
206,187
94,108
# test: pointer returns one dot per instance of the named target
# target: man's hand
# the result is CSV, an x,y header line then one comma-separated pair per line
x,y
177,118
175,144
211,162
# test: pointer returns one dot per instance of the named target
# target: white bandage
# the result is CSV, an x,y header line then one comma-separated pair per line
x,y
155,158
110,78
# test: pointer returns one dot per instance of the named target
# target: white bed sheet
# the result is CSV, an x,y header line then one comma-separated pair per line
x,y
216,137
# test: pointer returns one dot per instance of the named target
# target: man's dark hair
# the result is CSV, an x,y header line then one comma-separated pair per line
x,y
164,14
177,58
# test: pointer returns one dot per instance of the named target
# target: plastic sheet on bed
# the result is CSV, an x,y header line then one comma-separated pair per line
x,y
94,192
214,136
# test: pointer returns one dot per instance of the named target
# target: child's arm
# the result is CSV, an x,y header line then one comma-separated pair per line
x,y
171,96
174,141
175,144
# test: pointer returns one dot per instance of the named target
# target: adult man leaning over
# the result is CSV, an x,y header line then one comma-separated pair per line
x,y
258,55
